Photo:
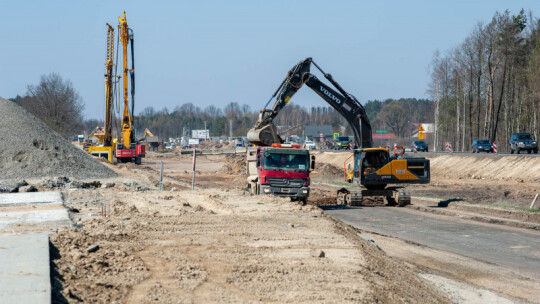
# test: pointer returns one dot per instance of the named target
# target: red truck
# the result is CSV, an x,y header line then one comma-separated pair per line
x,y
281,170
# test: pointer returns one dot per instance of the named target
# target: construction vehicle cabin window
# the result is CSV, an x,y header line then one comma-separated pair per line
x,y
374,161
287,162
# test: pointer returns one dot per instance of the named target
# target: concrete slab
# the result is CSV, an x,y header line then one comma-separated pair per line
x,y
32,212
54,217
27,198
24,269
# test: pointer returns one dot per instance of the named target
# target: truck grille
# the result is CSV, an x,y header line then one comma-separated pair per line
x,y
285,182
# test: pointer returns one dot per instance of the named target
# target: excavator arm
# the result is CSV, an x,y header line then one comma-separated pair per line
x,y
264,132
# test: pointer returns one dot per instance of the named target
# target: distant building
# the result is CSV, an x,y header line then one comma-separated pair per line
x,y
383,136
315,131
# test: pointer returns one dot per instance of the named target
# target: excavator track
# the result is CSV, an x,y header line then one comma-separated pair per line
x,y
355,196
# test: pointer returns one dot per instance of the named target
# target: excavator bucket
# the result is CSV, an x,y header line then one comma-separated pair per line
x,y
264,136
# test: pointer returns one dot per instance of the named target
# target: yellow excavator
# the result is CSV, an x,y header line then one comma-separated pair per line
x,y
373,168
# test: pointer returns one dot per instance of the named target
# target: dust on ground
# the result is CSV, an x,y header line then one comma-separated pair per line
x,y
216,245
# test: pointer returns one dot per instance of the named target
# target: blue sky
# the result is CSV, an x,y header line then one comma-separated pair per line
x,y
216,52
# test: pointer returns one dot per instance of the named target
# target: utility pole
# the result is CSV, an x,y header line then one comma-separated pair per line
x,y
435,140
230,128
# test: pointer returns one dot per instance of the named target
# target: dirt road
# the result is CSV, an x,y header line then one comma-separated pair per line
x,y
216,244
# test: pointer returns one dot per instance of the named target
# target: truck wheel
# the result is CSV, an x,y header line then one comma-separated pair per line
x,y
517,151
536,151
304,201
529,151
511,151
138,160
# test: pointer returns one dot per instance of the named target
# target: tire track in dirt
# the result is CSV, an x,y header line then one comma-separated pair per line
x,y
160,276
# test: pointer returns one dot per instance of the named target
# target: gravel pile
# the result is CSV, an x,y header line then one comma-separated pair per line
x,y
30,149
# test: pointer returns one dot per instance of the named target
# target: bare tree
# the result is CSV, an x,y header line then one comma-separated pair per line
x,y
56,102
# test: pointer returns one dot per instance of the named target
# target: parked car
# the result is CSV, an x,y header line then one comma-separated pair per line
x,y
342,142
523,141
420,145
482,145
310,145
239,144
169,145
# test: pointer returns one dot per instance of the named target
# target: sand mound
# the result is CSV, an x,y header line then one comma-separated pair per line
x,y
234,165
30,149
492,167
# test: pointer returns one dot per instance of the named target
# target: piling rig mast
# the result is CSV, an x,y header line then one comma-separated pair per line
x,y
128,149
106,147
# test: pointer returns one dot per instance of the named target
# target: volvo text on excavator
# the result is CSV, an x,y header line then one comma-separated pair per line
x,y
372,167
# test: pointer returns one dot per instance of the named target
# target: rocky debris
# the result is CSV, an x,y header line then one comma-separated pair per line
x,y
120,208
317,253
12,185
133,185
108,185
28,188
30,149
64,182
106,274
82,185
93,248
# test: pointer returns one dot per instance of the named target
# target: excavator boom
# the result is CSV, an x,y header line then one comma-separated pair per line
x,y
264,133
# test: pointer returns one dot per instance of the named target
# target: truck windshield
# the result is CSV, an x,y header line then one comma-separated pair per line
x,y
343,138
286,162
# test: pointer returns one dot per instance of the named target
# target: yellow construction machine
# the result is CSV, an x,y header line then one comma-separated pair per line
x,y
106,146
125,148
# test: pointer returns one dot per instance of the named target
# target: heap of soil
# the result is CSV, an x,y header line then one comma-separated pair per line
x,y
30,149
235,165
327,170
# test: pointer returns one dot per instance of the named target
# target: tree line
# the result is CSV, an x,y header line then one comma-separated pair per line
x,y
57,103
396,116
488,87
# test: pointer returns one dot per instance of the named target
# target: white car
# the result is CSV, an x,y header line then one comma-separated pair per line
x,y
310,145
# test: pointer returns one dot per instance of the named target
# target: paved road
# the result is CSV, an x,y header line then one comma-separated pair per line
x,y
505,246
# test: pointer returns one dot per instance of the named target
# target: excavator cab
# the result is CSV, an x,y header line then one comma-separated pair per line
x,y
367,163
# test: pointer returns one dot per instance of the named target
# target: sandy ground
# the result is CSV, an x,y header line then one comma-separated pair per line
x,y
216,244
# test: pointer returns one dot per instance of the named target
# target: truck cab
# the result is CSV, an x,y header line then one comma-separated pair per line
x,y
281,170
